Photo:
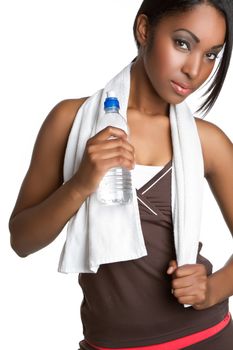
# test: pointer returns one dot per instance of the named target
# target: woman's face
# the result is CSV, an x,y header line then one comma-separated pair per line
x,y
183,51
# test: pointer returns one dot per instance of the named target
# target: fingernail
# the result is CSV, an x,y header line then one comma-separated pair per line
x,y
170,269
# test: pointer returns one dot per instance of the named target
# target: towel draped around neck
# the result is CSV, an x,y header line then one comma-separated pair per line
x,y
99,234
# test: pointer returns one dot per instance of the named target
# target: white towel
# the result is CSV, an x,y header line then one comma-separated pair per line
x,y
99,234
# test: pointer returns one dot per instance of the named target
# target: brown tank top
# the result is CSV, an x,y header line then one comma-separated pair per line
x,y
129,304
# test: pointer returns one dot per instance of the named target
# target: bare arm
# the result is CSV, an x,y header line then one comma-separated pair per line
x,y
44,206
44,203
220,180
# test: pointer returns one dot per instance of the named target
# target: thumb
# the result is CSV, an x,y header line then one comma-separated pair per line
x,y
172,267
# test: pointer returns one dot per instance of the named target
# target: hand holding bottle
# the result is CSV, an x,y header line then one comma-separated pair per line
x,y
102,154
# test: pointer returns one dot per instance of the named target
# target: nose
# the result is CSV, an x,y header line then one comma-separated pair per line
x,y
192,66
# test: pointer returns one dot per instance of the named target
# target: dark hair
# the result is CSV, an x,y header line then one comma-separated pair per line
x,y
155,10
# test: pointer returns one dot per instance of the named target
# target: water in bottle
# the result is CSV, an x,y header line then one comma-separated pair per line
x,y
116,187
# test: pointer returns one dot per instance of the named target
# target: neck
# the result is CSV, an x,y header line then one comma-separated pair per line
x,y
143,97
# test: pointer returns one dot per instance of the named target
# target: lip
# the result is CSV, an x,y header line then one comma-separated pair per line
x,y
181,88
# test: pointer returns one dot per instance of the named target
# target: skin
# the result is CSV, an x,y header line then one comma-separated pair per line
x,y
44,206
173,54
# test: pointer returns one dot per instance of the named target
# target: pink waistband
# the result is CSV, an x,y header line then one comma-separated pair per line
x,y
180,342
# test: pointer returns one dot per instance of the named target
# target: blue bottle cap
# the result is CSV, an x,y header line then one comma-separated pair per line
x,y
111,101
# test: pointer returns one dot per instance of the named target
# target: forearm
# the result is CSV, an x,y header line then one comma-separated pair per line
x,y
220,283
36,227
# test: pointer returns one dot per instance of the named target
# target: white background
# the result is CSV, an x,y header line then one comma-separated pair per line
x,y
52,50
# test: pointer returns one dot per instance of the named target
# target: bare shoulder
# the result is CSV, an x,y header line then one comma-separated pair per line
x,y
52,138
45,173
216,146
64,113
56,127
218,157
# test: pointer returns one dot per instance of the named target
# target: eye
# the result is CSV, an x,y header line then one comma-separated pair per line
x,y
212,56
183,44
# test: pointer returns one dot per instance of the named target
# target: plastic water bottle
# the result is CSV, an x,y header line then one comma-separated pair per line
x,y
115,188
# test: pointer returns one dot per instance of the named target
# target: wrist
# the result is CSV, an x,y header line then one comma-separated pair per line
x,y
214,290
210,299
77,192
211,291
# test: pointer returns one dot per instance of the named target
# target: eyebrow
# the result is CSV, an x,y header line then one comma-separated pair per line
x,y
195,38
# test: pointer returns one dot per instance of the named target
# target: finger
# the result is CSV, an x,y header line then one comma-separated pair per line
x,y
190,269
182,282
107,164
183,292
110,131
113,143
114,153
172,267
190,300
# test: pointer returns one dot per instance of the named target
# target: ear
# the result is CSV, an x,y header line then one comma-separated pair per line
x,y
142,30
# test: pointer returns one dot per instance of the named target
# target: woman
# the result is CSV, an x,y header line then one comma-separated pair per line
x,y
130,304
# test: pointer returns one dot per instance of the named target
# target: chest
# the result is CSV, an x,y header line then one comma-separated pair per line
x,y
151,140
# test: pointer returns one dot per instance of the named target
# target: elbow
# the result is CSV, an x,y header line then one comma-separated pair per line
x,y
18,251
15,244
16,248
